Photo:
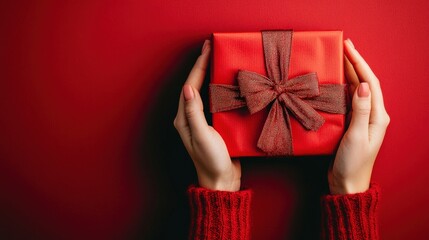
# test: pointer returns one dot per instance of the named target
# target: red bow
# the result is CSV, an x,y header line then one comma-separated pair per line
x,y
299,96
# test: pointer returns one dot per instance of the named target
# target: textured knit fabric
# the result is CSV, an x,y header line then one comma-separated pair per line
x,y
351,216
219,214
226,215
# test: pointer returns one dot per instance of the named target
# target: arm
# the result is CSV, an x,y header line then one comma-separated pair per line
x,y
351,216
350,211
219,209
219,214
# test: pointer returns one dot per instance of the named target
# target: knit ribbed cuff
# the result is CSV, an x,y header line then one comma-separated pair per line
x,y
351,216
219,214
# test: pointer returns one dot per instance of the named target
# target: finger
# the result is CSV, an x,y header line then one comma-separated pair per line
x,y
180,122
198,72
352,78
195,79
365,74
194,111
361,106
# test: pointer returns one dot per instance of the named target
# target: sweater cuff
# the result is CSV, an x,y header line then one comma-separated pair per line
x,y
219,214
351,216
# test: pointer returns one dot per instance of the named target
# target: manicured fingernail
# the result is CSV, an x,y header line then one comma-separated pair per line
x,y
351,43
205,46
363,90
188,93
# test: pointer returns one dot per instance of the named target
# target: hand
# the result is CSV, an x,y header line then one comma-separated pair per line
x,y
215,169
352,167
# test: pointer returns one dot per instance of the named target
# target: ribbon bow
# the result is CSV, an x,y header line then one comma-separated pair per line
x,y
299,96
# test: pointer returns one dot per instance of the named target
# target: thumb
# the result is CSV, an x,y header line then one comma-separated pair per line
x,y
194,110
361,106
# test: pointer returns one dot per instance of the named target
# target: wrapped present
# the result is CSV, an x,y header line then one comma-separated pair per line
x,y
278,93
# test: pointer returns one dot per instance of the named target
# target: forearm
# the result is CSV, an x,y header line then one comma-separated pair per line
x,y
351,216
219,214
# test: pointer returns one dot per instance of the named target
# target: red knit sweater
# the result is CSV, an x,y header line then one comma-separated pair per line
x,y
226,215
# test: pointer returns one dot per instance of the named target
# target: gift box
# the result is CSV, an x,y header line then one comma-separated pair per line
x,y
278,93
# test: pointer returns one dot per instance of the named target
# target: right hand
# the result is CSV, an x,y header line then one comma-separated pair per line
x,y
215,169
352,168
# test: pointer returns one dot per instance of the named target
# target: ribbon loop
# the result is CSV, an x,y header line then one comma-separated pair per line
x,y
256,89
304,86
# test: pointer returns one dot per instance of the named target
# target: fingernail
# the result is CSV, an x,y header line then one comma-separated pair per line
x,y
351,43
188,93
363,90
205,46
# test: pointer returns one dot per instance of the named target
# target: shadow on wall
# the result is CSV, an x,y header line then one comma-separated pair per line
x,y
286,203
171,169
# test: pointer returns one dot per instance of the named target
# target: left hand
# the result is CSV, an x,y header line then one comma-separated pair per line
x,y
215,169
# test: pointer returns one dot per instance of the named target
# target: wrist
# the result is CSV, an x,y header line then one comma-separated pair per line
x,y
232,185
343,187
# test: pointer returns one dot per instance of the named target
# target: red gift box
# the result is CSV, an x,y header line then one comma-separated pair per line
x,y
315,51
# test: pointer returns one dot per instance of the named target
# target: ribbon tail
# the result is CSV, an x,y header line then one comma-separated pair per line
x,y
225,98
303,112
276,135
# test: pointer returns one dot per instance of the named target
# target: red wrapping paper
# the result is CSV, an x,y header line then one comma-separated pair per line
x,y
316,51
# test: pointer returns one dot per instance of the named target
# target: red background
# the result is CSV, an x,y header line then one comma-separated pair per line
x,y
89,91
